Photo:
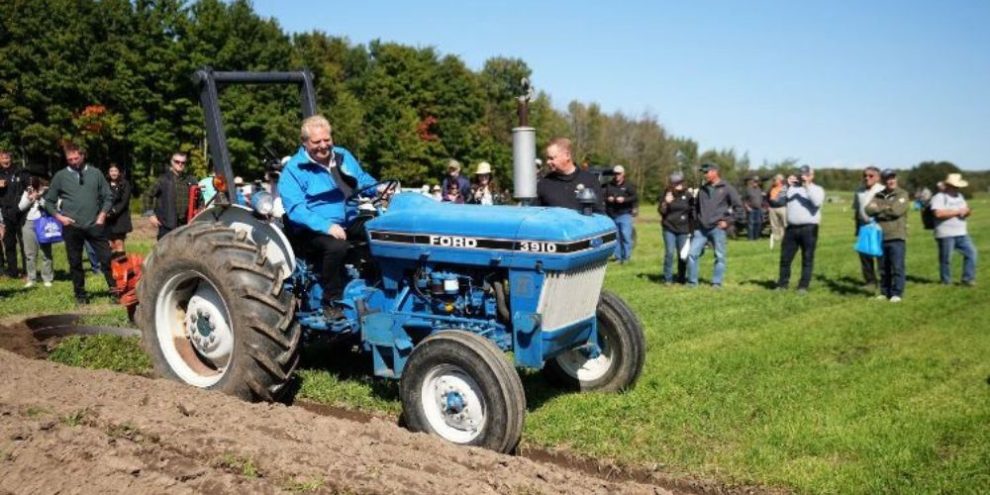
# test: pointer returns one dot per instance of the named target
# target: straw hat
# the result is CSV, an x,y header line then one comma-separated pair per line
x,y
956,181
483,168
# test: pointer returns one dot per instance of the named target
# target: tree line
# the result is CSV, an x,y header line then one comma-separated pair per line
x,y
115,76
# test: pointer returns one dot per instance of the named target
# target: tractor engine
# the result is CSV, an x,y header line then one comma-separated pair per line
x,y
452,293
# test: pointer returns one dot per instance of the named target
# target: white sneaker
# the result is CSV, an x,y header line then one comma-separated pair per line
x,y
47,284
29,284
895,299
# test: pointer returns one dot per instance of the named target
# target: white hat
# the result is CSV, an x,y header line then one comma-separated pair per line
x,y
483,168
238,180
956,181
619,169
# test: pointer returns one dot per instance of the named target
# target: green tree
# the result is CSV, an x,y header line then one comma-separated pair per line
x,y
927,174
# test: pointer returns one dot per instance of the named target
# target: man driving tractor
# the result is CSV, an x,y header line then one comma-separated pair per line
x,y
315,186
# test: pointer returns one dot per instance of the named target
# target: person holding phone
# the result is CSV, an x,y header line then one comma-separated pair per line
x,y
804,215
32,205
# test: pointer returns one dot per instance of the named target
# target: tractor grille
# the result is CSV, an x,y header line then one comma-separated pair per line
x,y
571,296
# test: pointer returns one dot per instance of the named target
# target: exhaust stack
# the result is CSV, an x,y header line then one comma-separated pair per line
x,y
524,151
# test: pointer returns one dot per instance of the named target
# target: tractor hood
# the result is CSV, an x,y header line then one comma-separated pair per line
x,y
416,227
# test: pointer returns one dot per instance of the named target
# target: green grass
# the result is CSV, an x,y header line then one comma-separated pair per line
x,y
831,392
110,352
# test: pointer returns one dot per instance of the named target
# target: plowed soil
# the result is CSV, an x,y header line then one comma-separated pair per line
x,y
70,430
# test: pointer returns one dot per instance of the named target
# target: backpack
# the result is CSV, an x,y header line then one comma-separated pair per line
x,y
927,216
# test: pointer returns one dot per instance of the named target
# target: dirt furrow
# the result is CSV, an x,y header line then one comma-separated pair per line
x,y
71,430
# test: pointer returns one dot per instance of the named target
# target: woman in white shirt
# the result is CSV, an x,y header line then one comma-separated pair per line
x,y
31,202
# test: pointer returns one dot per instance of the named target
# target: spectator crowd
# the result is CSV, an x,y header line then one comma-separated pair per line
x,y
89,211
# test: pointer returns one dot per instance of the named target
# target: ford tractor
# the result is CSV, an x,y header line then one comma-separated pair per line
x,y
438,295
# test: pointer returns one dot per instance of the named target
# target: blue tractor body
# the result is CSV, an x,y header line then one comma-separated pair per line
x,y
452,266
437,293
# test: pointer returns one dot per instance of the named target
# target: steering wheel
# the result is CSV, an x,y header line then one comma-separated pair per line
x,y
376,194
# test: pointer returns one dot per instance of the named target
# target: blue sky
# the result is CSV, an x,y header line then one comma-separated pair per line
x,y
832,83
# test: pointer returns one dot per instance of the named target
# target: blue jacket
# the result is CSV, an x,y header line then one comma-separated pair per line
x,y
310,196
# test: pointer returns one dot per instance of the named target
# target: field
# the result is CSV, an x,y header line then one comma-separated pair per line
x,y
828,392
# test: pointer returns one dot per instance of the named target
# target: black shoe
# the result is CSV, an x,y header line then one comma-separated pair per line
x,y
82,300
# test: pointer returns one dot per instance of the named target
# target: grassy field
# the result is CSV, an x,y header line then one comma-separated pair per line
x,y
829,392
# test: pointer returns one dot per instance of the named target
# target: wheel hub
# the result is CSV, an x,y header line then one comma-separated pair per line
x,y
454,405
205,325
192,327
589,362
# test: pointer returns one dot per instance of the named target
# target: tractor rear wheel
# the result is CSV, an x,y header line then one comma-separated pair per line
x,y
213,313
623,350
460,386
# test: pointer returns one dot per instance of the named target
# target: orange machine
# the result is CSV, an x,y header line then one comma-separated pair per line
x,y
126,271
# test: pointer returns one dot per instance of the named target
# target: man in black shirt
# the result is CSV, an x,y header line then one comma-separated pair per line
x,y
562,184
170,196
13,181
620,202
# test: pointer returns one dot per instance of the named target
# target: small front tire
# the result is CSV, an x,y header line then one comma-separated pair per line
x,y
623,350
460,387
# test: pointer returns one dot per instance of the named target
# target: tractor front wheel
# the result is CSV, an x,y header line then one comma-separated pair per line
x,y
460,387
617,366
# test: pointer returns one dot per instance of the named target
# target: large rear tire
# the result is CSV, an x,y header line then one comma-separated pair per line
x,y
460,387
213,313
623,350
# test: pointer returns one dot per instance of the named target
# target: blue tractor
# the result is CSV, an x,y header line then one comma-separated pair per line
x,y
438,294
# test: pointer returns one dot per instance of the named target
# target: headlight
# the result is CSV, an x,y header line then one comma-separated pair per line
x,y
263,203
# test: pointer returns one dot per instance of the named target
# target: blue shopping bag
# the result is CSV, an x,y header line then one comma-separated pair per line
x,y
870,240
48,230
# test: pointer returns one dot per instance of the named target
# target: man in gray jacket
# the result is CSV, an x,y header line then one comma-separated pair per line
x,y
714,204
804,214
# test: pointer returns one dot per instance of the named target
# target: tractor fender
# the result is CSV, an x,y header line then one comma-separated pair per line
x,y
261,231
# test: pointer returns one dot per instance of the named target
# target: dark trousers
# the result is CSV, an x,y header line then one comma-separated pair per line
x,y
74,238
327,253
755,225
892,273
869,265
12,219
803,237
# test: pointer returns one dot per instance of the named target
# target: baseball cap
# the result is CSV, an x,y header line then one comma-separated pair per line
x,y
888,173
618,169
676,178
708,166
454,165
806,170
